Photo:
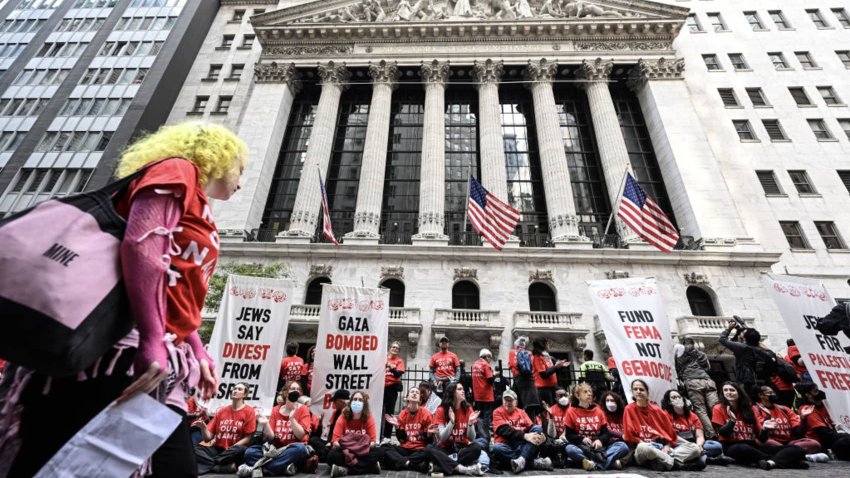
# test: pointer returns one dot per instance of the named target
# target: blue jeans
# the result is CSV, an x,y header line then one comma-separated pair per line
x,y
712,448
613,452
295,453
503,453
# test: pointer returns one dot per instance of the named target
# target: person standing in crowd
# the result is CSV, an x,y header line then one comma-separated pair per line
x,y
339,401
788,423
288,427
692,367
545,375
444,366
523,384
594,373
307,371
739,429
291,365
517,439
650,431
482,391
427,398
795,358
392,385
456,422
355,420
819,425
586,430
465,379
412,428
616,384
232,427
689,428
745,355
165,210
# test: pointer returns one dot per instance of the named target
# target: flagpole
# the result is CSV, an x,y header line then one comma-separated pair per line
x,y
466,206
617,201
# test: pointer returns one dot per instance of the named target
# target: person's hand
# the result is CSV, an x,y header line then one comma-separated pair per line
x,y
392,420
433,428
209,381
701,449
666,449
597,445
336,445
261,420
144,383
731,325
806,411
451,415
587,441
769,424
473,418
562,363
199,424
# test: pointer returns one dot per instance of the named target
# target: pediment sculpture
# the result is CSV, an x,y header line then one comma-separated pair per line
x,y
385,11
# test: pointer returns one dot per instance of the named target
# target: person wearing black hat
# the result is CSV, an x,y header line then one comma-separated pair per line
x,y
339,401
819,425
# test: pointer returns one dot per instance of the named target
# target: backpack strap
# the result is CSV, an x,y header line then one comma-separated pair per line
x,y
121,184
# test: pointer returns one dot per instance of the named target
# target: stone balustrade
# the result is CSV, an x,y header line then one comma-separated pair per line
x,y
544,320
699,325
466,317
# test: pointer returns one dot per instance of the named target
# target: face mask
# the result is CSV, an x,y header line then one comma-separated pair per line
x,y
293,396
611,406
356,407
677,403
563,401
820,396
772,398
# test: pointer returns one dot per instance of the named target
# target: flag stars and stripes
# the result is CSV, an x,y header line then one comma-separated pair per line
x,y
492,218
640,212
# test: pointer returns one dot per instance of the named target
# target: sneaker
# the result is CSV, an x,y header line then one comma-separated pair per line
x,y
617,465
244,471
474,470
658,465
517,465
765,465
257,473
818,458
588,465
291,470
386,441
543,464
337,470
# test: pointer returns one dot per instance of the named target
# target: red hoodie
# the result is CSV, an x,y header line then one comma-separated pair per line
x,y
649,423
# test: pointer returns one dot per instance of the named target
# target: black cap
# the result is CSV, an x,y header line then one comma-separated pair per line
x,y
342,394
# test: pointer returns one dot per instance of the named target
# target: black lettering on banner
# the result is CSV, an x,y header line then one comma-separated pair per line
x,y
635,316
648,349
241,371
349,362
253,314
249,332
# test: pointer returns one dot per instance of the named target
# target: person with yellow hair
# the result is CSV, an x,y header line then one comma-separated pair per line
x,y
168,254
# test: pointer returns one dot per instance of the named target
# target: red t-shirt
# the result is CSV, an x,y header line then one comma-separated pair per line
x,y
459,431
398,364
587,422
282,428
558,414
615,424
793,351
444,364
518,420
196,243
512,363
307,371
541,363
819,418
482,389
647,424
229,425
785,419
611,362
193,408
742,432
290,368
355,425
416,427
688,423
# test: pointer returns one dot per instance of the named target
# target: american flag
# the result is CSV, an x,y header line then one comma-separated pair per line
x,y
327,228
492,218
644,216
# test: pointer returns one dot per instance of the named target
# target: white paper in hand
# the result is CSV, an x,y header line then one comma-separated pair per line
x,y
115,442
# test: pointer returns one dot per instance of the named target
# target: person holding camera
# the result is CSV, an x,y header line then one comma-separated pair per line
x,y
745,353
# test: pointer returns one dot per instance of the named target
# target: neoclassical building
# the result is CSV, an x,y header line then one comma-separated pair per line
x,y
396,103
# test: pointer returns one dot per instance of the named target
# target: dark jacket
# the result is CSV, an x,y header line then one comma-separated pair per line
x,y
692,365
745,359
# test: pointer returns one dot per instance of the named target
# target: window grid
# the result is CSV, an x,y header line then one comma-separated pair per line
x,y
774,130
744,130
400,204
798,93
844,176
247,41
842,16
694,26
845,126
711,62
844,57
801,181
768,182
200,104
806,60
794,235
819,129
829,233
227,41
727,96
223,104
236,72
738,61
716,21
779,19
829,96
757,97
778,60
462,154
215,71
754,20
816,18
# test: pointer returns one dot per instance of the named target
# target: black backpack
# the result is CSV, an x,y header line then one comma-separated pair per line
x,y
767,364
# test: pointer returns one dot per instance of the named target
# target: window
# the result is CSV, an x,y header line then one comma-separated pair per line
x,y
238,15
844,176
738,62
711,62
757,97
778,60
802,182
727,95
541,298
223,104
774,130
716,21
465,296
829,233
247,41
779,19
806,60
744,130
396,288
799,95
700,302
794,234
769,183
200,104
215,70
754,20
820,130
841,15
829,96
227,41
845,126
314,291
844,56
694,24
817,18
236,72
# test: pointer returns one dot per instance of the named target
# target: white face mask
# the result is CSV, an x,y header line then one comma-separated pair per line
x,y
677,402
564,401
611,406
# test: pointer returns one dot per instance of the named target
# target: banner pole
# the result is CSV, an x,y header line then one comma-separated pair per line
x,y
617,202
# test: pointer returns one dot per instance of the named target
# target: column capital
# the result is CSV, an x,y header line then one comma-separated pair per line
x,y
384,72
331,72
488,71
275,73
435,72
540,71
596,70
661,69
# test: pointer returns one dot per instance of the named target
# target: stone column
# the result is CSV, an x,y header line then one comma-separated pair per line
x,y
609,137
367,216
308,199
704,208
494,176
275,87
563,222
432,178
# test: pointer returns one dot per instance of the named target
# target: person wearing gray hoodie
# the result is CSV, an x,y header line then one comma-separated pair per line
x,y
692,368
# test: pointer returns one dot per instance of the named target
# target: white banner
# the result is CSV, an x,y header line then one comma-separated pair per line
x,y
801,302
247,342
635,324
351,347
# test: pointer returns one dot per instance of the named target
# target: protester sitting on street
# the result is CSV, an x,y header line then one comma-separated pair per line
x,y
307,371
291,365
739,429
315,424
553,426
392,385
650,431
517,439
232,427
288,427
339,401
789,429
444,365
412,428
195,412
427,398
616,384
819,425
689,428
594,373
483,391
613,405
355,419
586,430
692,368
456,422
545,374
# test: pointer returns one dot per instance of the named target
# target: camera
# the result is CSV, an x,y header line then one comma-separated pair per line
x,y
739,323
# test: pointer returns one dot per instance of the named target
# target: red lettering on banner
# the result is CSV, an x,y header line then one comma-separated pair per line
x,y
819,360
351,342
646,368
642,332
833,380
245,351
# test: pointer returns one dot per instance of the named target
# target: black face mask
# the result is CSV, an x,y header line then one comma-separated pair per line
x,y
293,396
772,398
819,396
